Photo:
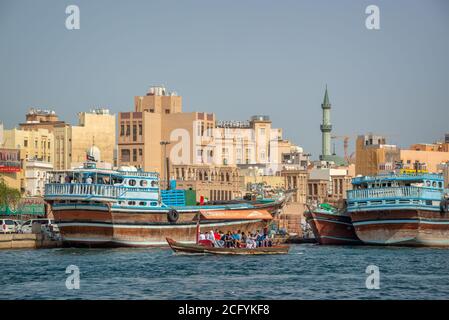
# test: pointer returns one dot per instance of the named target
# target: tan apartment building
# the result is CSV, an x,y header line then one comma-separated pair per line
x,y
373,155
95,128
158,117
33,144
250,142
71,143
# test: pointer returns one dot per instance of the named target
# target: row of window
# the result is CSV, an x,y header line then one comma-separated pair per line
x,y
220,195
137,130
138,203
36,143
142,183
125,155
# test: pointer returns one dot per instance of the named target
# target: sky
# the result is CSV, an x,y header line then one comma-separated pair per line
x,y
236,59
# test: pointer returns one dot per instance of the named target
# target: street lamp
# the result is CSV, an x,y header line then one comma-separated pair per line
x,y
166,163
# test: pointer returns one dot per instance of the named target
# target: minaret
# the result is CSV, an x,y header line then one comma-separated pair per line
x,y
326,127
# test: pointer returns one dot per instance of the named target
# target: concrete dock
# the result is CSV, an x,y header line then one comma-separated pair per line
x,y
27,241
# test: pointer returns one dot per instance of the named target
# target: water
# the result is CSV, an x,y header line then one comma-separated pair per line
x,y
308,272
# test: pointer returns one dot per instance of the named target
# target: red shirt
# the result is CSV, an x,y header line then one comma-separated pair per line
x,y
217,236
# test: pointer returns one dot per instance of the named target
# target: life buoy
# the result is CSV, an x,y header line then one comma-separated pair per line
x,y
172,216
444,206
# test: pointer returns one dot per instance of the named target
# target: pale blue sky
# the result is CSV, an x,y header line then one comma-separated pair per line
x,y
236,58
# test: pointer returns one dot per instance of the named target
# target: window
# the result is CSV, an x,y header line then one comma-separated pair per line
x,y
122,130
25,143
48,144
167,111
134,133
131,203
134,155
142,203
128,129
125,155
140,129
151,110
153,204
132,182
262,131
143,183
140,152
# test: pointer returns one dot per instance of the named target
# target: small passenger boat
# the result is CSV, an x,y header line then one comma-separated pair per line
x,y
206,247
202,249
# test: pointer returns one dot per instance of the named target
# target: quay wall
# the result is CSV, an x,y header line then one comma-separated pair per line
x,y
26,241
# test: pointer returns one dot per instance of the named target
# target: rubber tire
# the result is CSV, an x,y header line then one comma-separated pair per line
x,y
172,216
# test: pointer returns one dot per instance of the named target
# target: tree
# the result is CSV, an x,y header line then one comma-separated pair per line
x,y
9,197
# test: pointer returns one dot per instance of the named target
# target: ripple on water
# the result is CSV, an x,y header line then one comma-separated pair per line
x,y
308,272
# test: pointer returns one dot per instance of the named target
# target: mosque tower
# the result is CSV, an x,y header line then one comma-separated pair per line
x,y
326,128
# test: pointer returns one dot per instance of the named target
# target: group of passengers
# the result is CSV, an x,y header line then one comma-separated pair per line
x,y
237,239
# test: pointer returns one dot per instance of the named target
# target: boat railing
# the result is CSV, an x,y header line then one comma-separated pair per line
x,y
397,176
84,190
404,192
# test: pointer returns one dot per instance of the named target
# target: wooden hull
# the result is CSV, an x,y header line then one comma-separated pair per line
x,y
332,229
404,227
99,226
199,249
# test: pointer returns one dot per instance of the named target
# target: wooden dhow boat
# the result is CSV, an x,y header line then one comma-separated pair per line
x,y
331,226
208,248
113,208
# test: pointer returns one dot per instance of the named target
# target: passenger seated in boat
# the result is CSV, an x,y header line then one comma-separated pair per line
x,y
237,239
251,241
202,236
229,241
218,242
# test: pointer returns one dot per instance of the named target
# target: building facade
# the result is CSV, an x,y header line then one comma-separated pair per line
x,y
36,175
214,183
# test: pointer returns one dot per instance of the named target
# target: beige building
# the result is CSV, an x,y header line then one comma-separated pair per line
x,y
374,155
96,127
158,117
34,144
71,143
428,160
296,179
36,175
329,184
11,168
211,182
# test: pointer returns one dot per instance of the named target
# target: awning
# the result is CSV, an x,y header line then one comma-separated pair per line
x,y
235,215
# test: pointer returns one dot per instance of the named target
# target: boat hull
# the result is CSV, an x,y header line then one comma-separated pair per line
x,y
100,226
332,229
404,227
199,249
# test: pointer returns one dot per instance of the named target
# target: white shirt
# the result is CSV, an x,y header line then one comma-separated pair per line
x,y
202,236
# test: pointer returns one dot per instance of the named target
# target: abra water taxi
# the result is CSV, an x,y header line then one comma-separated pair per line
x,y
96,207
400,209
208,247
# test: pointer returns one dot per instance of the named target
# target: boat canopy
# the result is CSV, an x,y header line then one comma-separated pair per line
x,y
235,215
